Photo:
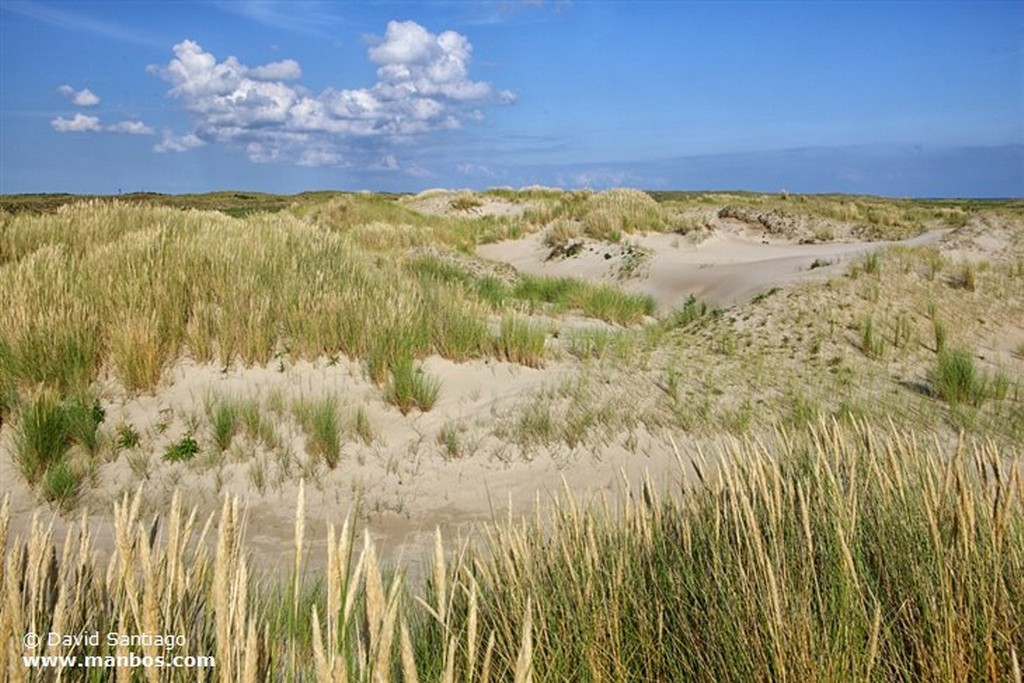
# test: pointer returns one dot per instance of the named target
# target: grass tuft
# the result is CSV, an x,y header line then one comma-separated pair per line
x,y
956,379
412,387
520,341
319,419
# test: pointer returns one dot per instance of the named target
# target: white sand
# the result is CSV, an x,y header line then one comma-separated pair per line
x,y
724,269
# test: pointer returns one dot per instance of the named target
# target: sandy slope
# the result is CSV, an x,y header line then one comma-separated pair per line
x,y
401,486
728,267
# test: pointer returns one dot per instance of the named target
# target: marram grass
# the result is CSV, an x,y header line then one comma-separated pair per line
x,y
840,554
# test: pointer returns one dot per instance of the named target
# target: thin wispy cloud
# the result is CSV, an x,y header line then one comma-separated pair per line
x,y
423,86
311,18
76,22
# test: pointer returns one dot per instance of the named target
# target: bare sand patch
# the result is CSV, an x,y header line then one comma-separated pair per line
x,y
729,266
400,486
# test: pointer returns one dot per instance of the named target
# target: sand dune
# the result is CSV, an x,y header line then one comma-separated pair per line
x,y
726,268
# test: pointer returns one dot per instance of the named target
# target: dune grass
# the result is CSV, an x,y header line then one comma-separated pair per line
x,y
320,421
841,553
412,387
139,286
520,341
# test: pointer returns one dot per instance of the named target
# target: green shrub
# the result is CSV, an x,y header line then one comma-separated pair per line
x,y
692,309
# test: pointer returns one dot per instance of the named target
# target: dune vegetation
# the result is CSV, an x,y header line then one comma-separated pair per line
x,y
840,553
847,503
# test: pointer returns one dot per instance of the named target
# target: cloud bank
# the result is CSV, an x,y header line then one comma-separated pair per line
x,y
423,86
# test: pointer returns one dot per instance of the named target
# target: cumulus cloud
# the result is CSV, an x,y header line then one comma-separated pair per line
x,y
131,128
79,124
423,85
81,98
175,143
285,70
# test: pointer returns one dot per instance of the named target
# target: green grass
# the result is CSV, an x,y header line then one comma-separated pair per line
x,y
520,341
62,483
871,342
362,426
320,421
589,342
794,562
412,387
603,302
224,417
128,436
183,450
957,380
43,436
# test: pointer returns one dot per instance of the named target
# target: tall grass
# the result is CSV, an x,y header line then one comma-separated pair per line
x,y
846,555
520,341
48,427
841,554
138,287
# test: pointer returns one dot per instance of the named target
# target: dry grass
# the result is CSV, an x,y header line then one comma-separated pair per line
x,y
841,553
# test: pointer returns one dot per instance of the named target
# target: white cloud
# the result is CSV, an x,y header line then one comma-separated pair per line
x,y
131,128
423,86
285,70
79,124
82,98
173,143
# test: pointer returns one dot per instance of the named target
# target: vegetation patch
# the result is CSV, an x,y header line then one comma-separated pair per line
x,y
412,387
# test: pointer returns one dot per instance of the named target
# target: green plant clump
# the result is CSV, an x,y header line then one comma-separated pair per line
x,y
183,450
957,380
411,387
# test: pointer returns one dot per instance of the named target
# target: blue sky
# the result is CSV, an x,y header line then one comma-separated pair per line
x,y
900,99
